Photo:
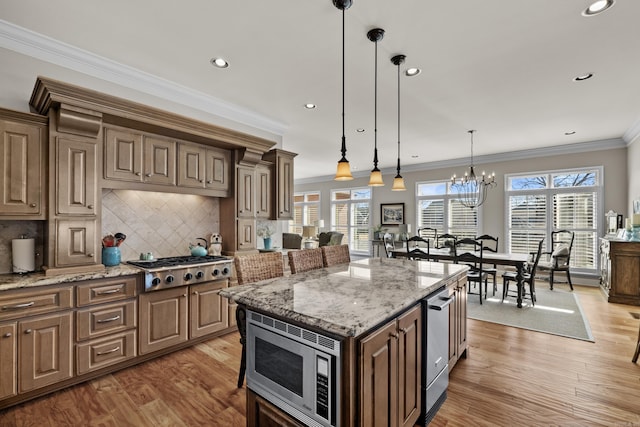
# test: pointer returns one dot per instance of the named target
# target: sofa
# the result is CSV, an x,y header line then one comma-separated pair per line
x,y
330,238
291,241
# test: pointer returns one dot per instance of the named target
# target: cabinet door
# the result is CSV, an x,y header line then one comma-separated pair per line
x,y
379,377
410,367
261,413
218,169
163,319
246,192
208,311
122,155
461,309
191,166
285,188
159,161
263,192
21,170
44,351
77,183
76,242
8,366
246,234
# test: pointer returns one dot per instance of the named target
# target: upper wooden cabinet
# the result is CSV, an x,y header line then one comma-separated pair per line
x,y
282,183
245,192
264,195
77,178
22,165
203,167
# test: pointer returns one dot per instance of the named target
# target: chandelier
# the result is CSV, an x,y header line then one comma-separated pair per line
x,y
472,189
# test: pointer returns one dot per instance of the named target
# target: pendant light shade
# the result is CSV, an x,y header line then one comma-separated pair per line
x,y
343,172
375,179
398,180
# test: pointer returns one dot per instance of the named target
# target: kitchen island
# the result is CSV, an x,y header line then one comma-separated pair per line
x,y
373,308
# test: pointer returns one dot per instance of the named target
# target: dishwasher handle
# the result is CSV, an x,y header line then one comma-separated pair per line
x,y
444,302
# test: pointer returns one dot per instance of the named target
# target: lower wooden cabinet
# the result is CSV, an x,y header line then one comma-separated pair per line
x,y
621,280
457,321
261,413
208,311
8,365
390,372
107,351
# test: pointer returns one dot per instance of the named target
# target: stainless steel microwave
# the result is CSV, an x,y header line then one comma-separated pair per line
x,y
295,369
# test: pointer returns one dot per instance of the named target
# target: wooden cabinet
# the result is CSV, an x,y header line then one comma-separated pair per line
x,y
134,157
202,167
77,177
246,234
245,192
390,372
263,197
457,321
8,362
282,183
22,168
261,413
163,319
623,261
75,242
208,311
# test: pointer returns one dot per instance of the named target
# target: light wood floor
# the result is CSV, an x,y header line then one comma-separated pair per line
x,y
512,377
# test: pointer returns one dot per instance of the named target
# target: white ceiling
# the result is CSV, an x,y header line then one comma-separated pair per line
x,y
502,67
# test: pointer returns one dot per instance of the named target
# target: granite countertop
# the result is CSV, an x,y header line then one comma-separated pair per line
x,y
349,299
31,280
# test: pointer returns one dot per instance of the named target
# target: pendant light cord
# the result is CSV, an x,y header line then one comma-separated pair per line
x,y
375,112
344,147
398,118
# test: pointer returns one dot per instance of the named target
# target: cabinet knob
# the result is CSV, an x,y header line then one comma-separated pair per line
x,y
393,335
138,174
91,255
90,206
195,292
202,180
209,182
33,205
240,211
184,295
27,331
7,335
148,175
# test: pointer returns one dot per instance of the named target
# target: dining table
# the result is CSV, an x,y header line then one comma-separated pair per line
x,y
517,260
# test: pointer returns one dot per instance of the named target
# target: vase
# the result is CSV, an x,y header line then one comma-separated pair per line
x,y
267,242
111,256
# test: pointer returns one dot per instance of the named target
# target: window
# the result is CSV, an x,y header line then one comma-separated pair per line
x,y
306,210
539,203
350,215
438,207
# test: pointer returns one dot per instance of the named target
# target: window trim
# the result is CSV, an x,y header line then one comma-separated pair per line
x,y
350,201
304,204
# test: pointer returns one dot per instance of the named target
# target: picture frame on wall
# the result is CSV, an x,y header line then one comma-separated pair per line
x,y
392,213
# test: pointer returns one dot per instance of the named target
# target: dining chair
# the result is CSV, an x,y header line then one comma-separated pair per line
x,y
389,246
447,241
559,258
305,260
528,277
637,353
420,250
333,255
470,252
429,234
490,243
250,269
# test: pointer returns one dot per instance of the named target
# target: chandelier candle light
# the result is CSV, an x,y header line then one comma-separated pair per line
x,y
343,172
472,190
398,180
375,180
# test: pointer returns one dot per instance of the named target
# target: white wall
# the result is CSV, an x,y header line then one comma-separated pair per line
x,y
633,168
613,161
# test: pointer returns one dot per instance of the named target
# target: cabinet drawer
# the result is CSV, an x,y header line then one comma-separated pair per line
x,y
104,320
36,301
99,291
105,352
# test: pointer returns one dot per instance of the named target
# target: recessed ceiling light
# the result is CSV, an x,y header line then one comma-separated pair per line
x,y
598,7
359,130
572,132
583,77
309,106
412,72
219,62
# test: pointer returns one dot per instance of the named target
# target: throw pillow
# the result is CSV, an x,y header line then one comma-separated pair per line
x,y
561,250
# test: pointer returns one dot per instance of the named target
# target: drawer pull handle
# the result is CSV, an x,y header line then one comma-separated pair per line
x,y
110,291
18,306
113,350
7,335
110,319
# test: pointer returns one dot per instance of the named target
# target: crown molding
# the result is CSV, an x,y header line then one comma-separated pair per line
x,y
580,147
35,45
632,134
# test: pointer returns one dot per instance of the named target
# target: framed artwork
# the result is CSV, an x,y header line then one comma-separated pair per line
x,y
392,213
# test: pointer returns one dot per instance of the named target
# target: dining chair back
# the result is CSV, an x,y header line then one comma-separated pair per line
x,y
389,246
490,244
447,241
430,234
305,260
250,269
559,258
420,250
528,278
470,252
332,255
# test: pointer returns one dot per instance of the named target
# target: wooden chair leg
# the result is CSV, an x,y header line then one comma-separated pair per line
x,y
551,279
505,288
569,279
637,353
241,320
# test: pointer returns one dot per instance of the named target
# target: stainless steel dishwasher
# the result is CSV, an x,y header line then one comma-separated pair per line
x,y
435,374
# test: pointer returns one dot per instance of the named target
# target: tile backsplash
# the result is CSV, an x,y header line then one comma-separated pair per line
x,y
10,230
161,223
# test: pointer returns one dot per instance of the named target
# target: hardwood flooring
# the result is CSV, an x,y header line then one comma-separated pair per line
x,y
512,377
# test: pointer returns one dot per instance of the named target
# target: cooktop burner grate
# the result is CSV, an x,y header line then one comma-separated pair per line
x,y
177,261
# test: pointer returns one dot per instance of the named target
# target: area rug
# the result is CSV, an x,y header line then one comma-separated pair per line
x,y
556,312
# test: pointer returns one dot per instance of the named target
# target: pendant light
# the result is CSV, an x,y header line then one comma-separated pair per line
x,y
343,172
473,189
398,181
375,180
